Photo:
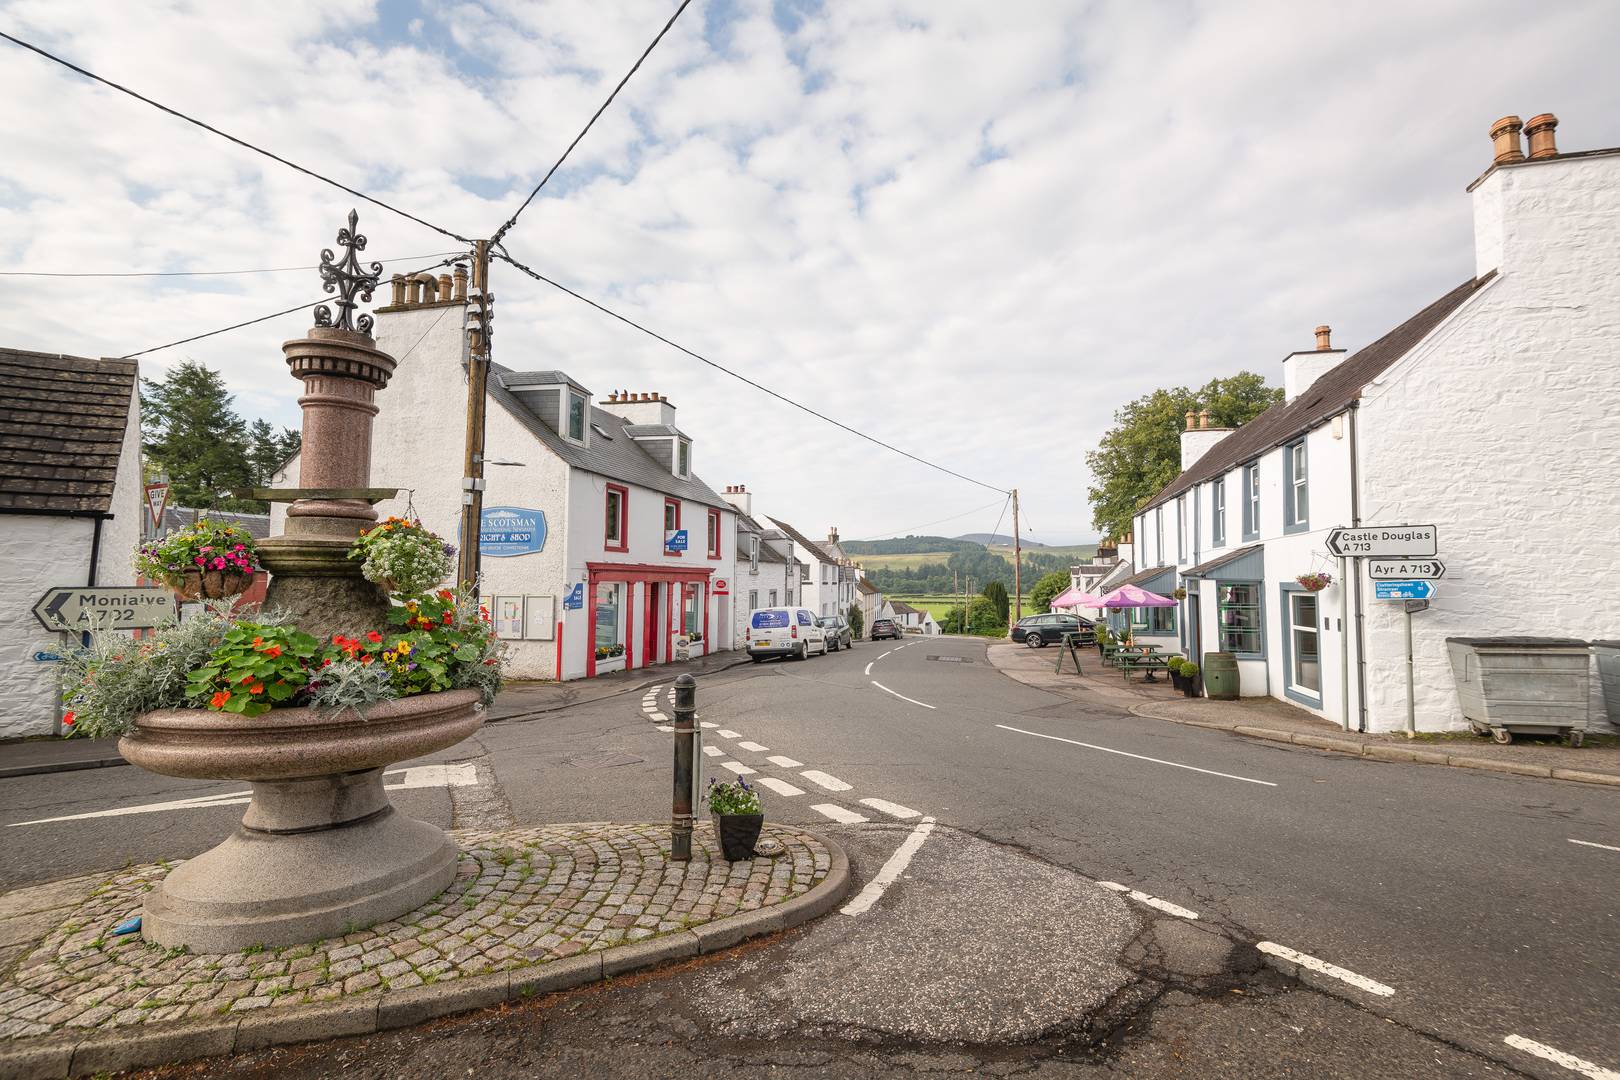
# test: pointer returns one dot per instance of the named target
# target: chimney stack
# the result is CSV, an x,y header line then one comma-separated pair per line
x,y
1505,140
1543,143
1324,335
461,282
1191,418
737,495
1203,419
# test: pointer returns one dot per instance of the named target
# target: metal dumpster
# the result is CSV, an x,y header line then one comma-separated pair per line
x,y
1608,666
1523,685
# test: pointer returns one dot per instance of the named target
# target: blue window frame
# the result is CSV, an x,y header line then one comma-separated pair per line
x,y
1217,513
1241,618
1251,501
1301,644
1296,488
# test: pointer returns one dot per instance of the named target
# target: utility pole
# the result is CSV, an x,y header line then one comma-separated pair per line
x,y
1018,567
472,475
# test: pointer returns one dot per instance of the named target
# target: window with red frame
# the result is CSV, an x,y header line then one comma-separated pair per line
x,y
714,534
616,527
672,523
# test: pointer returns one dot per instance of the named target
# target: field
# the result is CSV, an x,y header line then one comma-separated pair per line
x,y
1077,552
937,604
901,562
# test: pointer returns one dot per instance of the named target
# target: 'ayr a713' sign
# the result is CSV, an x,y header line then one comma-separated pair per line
x,y
1387,541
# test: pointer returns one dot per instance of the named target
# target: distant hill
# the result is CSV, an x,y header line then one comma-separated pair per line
x,y
997,540
906,545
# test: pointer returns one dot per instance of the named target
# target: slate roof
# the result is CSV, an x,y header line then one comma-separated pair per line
x,y
1143,577
902,608
1221,560
617,458
867,587
62,421
766,552
803,541
176,518
1326,397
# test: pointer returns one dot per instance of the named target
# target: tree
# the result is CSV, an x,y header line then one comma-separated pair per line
x,y
190,431
1050,585
857,620
268,449
982,619
996,592
1141,453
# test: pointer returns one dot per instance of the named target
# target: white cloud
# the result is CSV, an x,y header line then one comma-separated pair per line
x,y
972,230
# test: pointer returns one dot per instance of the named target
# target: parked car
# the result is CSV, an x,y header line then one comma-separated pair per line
x,y
836,627
1038,631
885,628
782,631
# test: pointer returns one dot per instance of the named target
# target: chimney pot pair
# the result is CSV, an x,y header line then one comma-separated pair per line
x,y
1505,138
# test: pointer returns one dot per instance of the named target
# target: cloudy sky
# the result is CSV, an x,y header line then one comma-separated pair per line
x,y
972,229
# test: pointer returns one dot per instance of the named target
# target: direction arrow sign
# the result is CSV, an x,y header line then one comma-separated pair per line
x,y
1385,540
1403,590
1395,569
119,607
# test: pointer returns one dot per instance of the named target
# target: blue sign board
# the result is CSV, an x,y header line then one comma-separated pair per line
x,y
675,541
575,598
511,530
44,657
1403,590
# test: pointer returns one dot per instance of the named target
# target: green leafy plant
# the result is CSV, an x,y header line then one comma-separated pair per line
x,y
403,557
733,798
1189,670
446,643
350,683
201,546
255,668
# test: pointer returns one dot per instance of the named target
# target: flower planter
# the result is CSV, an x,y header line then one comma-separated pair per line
x,y
738,834
212,584
1191,687
1177,679
320,849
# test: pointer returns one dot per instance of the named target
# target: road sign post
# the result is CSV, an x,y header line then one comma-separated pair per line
x,y
75,609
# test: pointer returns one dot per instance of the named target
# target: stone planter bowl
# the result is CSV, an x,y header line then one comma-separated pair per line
x,y
320,850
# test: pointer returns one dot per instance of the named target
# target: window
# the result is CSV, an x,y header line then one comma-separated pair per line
x,y
1181,529
683,458
672,525
1158,536
691,610
753,553
1304,655
714,534
1217,513
1297,503
753,599
1251,501
773,598
805,618
576,418
616,528
1156,620
609,614
1240,626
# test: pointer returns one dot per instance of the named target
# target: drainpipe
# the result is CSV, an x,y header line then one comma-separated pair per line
x,y
1355,522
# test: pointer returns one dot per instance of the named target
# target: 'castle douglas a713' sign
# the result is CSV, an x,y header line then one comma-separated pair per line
x,y
1387,541
511,530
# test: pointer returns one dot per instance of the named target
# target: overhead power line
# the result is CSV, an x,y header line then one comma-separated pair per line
x,y
225,135
511,221
196,273
743,378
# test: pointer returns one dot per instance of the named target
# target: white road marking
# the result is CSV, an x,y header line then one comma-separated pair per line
x,y
904,813
655,689
727,733
1588,843
660,717
821,779
705,723
869,667
891,870
738,767
419,776
1322,967
838,813
784,761
712,751
899,695
1151,901
666,727
882,655
781,787
1139,757
753,747
1558,1057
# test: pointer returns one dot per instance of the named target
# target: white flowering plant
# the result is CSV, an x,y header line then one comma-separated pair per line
x,y
403,557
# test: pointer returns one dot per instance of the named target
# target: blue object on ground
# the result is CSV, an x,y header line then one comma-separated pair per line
x,y
128,926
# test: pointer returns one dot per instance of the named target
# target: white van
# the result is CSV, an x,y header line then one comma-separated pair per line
x,y
783,631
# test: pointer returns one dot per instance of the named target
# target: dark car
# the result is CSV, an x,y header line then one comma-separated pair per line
x,y
837,630
1038,631
885,628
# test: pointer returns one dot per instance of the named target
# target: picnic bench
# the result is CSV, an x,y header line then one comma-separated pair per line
x,y
1138,659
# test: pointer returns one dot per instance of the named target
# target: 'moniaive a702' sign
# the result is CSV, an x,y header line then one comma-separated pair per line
x,y
1388,541
511,530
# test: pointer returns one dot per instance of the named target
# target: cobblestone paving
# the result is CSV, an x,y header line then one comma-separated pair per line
x,y
521,897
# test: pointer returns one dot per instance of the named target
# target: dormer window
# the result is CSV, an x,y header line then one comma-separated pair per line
x,y
683,458
576,417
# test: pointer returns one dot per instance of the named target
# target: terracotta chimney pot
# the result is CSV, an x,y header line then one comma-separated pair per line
x,y
398,284
1505,140
461,282
1324,338
1191,418
1203,419
1540,129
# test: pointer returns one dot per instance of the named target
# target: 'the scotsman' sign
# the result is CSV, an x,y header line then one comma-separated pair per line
x,y
1391,541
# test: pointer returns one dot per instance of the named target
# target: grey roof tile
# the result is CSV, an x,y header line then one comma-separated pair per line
x,y
62,421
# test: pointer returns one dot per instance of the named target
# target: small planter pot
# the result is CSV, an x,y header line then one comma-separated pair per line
x,y
738,834
1192,687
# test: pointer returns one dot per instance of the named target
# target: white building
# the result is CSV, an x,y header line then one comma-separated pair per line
x,y
873,605
913,620
579,502
1493,414
767,574
827,581
70,507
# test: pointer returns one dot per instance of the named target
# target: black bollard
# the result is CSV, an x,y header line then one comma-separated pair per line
x,y
685,807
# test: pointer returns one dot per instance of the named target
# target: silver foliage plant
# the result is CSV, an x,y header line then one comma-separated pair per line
x,y
351,684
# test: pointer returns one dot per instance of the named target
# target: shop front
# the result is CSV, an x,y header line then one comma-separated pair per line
x,y
639,611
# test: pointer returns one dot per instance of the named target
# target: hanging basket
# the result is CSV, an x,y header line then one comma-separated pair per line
x,y
1314,582
212,584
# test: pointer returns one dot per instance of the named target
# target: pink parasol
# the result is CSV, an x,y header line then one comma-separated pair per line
x,y
1072,597
1129,596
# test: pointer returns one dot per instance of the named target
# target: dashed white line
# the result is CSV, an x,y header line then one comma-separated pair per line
x,y
1322,967
738,767
869,667
821,779
1151,901
781,787
666,727
895,810
705,723
660,717
753,747
882,655
727,733
891,870
838,813
899,695
711,751
784,761
1589,843
1138,757
1558,1057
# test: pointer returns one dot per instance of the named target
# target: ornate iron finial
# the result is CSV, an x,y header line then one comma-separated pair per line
x,y
347,278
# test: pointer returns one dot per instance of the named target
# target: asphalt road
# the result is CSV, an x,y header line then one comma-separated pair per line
x,y
1452,907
